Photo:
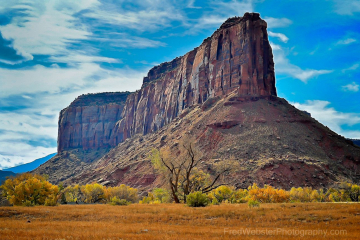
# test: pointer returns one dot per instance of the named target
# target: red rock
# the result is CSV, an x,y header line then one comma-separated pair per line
x,y
237,57
89,121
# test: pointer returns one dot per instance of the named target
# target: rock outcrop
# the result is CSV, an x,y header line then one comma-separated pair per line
x,y
237,57
89,121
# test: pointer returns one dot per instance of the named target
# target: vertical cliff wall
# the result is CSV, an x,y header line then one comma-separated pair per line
x,y
89,121
237,57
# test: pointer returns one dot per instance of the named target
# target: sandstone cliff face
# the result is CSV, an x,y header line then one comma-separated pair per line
x,y
237,57
89,121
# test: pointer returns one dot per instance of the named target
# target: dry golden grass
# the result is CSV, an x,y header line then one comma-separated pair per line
x,y
171,221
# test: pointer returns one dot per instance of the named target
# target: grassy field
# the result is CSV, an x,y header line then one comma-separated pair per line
x,y
171,221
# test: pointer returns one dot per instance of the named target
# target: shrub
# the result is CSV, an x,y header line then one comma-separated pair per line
x,y
122,192
197,199
93,193
349,192
28,203
355,193
239,196
221,194
146,200
51,200
28,190
215,202
72,194
116,201
161,195
302,194
158,195
253,203
268,194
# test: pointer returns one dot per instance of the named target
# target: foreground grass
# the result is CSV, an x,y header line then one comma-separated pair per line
x,y
174,221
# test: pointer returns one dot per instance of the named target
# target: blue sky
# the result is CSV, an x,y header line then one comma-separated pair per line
x,y
54,50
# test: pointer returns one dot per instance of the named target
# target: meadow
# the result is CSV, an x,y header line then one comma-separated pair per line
x,y
178,221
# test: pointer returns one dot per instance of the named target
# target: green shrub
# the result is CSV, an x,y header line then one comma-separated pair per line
x,y
215,202
158,195
116,201
51,200
197,199
28,203
221,194
253,203
161,195
122,192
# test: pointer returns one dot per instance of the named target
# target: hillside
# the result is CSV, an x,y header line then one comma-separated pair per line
x,y
4,174
31,165
274,143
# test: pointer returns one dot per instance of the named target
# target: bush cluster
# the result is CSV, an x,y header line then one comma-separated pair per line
x,y
30,190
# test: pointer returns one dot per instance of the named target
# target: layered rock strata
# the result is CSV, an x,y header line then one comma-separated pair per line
x,y
89,121
237,57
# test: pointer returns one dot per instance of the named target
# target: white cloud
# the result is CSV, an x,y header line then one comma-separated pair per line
x,y
346,41
191,4
135,42
81,58
25,153
352,87
18,128
328,116
275,46
351,68
283,66
277,22
147,16
281,36
221,10
45,79
46,27
346,7
233,7
305,75
44,99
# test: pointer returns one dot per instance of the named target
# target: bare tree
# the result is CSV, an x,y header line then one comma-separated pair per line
x,y
183,172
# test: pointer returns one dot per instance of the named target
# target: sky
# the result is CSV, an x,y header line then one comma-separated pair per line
x,y
51,51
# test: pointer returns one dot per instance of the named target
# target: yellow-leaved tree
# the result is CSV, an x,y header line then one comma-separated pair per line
x,y
73,194
30,190
122,192
93,193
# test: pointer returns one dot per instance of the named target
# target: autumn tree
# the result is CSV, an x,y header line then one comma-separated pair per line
x,y
93,193
182,170
28,189
73,194
122,192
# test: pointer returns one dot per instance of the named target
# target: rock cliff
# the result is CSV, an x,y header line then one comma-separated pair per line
x,y
236,57
88,122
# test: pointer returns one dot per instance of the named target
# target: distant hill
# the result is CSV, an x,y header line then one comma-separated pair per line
x,y
356,142
4,174
31,165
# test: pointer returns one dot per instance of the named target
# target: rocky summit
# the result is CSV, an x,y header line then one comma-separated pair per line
x,y
221,94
